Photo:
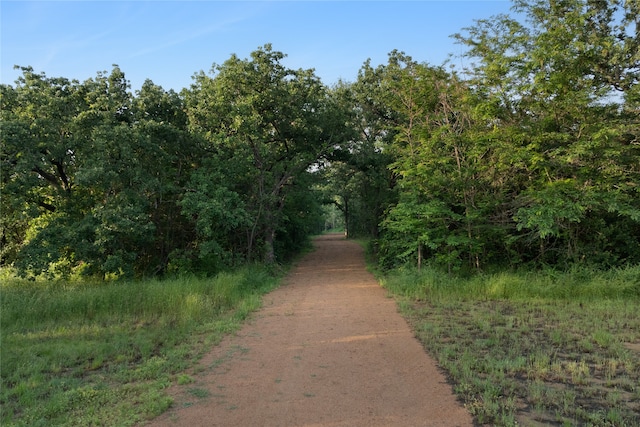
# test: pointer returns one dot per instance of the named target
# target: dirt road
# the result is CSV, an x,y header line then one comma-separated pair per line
x,y
328,348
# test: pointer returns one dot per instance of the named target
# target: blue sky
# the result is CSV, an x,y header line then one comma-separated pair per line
x,y
169,41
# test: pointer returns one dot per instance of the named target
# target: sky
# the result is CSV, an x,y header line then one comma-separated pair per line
x,y
170,41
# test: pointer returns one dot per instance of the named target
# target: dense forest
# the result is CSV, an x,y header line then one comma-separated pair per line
x,y
527,156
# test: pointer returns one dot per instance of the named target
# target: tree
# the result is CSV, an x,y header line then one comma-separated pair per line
x,y
532,157
39,162
92,175
435,164
552,86
359,176
271,123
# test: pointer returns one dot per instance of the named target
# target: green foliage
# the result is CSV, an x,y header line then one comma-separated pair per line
x,y
89,182
533,157
99,181
218,212
301,215
357,180
269,124
529,156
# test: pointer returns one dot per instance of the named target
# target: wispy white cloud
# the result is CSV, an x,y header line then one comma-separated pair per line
x,y
73,44
221,25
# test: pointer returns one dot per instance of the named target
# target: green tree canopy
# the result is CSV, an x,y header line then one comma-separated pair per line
x,y
268,124
91,174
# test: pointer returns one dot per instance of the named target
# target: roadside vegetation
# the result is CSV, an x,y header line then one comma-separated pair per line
x,y
532,348
96,353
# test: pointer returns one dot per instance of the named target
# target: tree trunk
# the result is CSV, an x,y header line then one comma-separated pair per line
x,y
347,226
269,255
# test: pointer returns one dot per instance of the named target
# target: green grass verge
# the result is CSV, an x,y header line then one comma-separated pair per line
x,y
78,354
534,348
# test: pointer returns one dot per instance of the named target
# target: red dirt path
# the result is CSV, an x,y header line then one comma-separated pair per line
x,y
328,348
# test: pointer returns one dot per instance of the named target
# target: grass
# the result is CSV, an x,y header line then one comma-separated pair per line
x,y
534,348
77,354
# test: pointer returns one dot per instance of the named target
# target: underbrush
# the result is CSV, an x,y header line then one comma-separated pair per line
x,y
532,348
77,354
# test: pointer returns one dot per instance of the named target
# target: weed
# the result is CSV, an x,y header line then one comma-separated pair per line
x,y
184,379
603,338
200,393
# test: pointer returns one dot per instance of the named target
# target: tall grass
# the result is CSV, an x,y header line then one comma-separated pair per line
x,y
102,353
579,283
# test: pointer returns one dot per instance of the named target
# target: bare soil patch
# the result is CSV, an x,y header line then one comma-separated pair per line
x,y
328,348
